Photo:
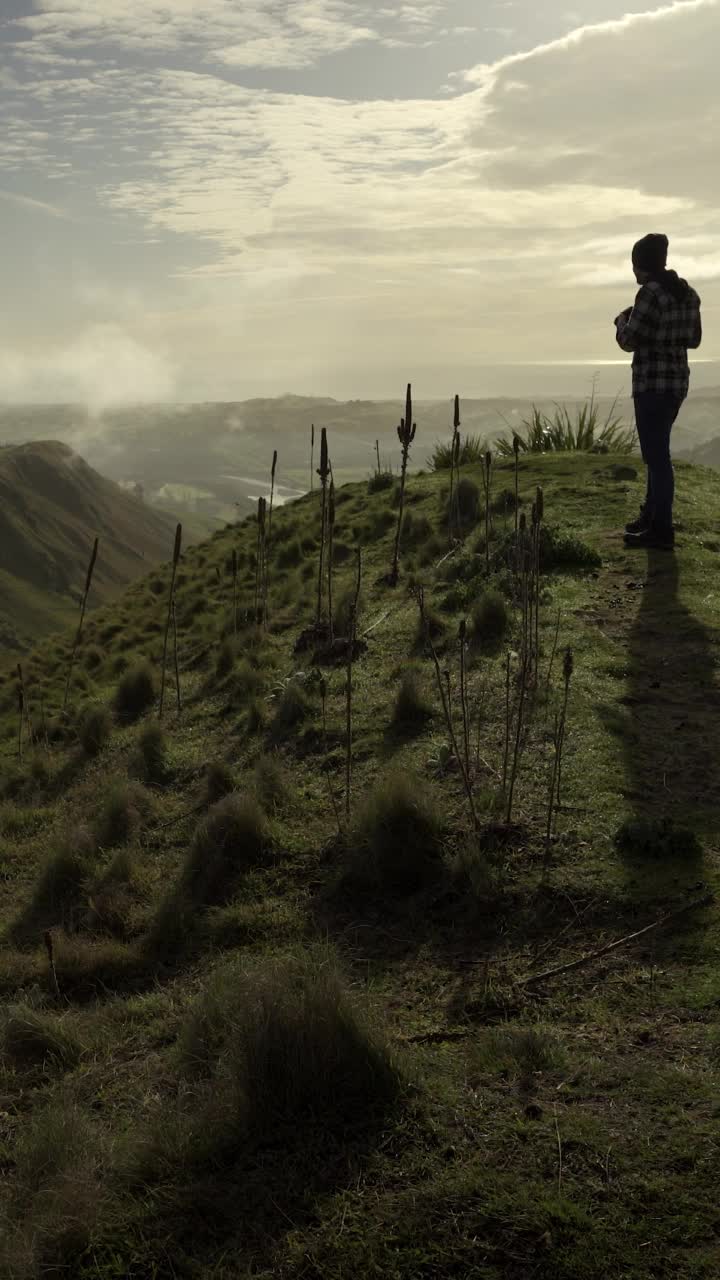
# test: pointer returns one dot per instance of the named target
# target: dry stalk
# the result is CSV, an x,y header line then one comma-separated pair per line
x,y
518,734
175,656
324,474
462,635
488,469
171,600
406,435
83,606
516,451
48,940
331,540
568,663
312,456
508,719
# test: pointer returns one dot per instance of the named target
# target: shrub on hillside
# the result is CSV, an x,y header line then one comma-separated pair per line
x,y
219,781
276,1042
135,693
30,1038
289,555
272,783
472,450
395,844
152,753
292,705
490,620
227,653
234,836
466,502
123,809
416,529
412,708
379,481
95,730
59,889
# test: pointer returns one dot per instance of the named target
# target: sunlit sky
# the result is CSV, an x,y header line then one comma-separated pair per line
x,y
215,199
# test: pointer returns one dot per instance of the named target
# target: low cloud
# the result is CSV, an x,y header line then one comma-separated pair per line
x,y
104,367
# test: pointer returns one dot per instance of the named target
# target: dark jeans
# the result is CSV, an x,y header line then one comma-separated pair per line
x,y
655,413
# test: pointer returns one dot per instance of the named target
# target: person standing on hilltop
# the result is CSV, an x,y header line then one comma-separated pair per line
x,y
658,330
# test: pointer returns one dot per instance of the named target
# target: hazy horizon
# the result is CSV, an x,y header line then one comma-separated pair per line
x,y
338,196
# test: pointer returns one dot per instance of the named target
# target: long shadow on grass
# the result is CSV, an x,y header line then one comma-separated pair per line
x,y
668,733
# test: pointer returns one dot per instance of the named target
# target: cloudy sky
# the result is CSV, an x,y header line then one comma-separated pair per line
x,y
213,199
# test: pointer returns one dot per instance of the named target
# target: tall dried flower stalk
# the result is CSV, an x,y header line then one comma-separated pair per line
x,y
559,742
444,690
462,640
330,540
312,456
406,435
49,947
259,599
508,722
83,606
516,452
454,465
520,721
352,634
540,513
488,472
272,492
377,454
324,474
171,600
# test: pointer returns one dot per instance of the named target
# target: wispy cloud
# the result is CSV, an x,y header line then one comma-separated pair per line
x,y
28,202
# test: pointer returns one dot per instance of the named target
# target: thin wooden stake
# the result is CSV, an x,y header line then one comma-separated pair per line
x,y
176,556
83,606
352,629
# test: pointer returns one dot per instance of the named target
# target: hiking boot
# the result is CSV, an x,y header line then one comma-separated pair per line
x,y
642,522
654,538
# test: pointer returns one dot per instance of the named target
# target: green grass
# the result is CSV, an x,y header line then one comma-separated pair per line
x,y
201,1101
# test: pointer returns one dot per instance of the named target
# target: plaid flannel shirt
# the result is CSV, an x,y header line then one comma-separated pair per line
x,y
658,330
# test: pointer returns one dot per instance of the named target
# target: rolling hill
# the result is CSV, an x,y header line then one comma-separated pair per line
x,y
459,1019
52,506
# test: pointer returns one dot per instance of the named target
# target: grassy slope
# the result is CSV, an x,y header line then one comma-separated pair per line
x,y
568,1131
52,505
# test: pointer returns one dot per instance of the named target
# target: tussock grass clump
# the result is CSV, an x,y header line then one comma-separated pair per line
x,y
516,1051
234,836
135,693
92,657
292,706
95,730
152,754
379,481
226,657
560,549
56,1195
490,620
256,716
416,529
396,841
412,708
275,1043
343,611
289,555
465,503
472,450
245,683
125,807
657,839
29,1038
220,781
109,898
59,889
272,783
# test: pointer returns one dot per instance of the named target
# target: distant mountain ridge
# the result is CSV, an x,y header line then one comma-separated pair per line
x,y
52,506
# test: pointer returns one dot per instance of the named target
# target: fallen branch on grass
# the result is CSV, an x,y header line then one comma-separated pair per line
x,y
534,978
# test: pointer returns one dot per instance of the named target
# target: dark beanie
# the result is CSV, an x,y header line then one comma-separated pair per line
x,y
650,253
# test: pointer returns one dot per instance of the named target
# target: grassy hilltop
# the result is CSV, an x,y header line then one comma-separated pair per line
x,y
270,1047
52,506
